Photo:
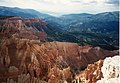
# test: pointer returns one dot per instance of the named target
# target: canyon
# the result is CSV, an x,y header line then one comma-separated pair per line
x,y
26,56
46,61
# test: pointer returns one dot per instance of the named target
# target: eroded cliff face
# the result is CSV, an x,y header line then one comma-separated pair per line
x,y
91,74
102,71
32,61
25,59
21,28
111,70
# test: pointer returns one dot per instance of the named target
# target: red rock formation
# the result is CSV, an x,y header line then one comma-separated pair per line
x,y
34,20
56,75
91,74
24,59
38,59
17,27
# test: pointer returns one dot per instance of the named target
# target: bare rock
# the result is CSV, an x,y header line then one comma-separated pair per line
x,y
91,74
13,69
38,59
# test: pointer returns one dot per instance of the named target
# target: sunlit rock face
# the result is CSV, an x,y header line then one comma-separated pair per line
x,y
21,28
91,74
62,76
25,59
111,70
34,61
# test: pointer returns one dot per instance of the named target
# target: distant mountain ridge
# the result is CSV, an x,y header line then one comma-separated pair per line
x,y
38,48
85,29
25,13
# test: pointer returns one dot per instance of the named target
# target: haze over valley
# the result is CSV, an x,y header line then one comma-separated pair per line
x,y
85,29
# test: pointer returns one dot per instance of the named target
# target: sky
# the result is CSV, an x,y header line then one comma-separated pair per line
x,y
60,7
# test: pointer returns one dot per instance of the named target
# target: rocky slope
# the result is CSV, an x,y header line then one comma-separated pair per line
x,y
32,61
102,71
91,74
100,29
25,58
111,70
17,26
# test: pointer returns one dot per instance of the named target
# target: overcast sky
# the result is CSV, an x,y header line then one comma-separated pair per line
x,y
58,7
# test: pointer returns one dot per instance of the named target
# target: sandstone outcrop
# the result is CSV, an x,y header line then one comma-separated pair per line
x,y
91,74
102,71
21,28
25,59
38,59
111,70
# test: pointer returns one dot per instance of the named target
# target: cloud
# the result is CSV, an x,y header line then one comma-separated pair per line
x,y
76,1
3,0
114,2
64,6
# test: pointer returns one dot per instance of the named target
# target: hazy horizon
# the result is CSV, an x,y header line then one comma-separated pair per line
x,y
62,7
